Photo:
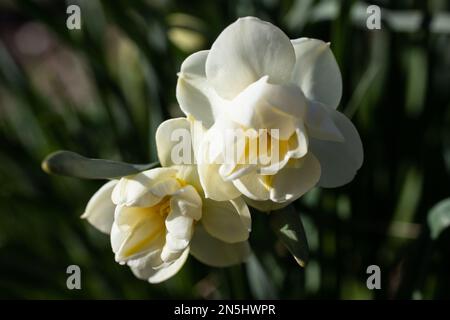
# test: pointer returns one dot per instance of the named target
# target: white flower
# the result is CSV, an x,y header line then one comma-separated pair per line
x,y
254,78
158,216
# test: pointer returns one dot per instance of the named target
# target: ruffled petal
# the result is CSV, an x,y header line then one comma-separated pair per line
x,y
146,271
147,188
100,208
244,52
222,221
194,94
213,184
295,179
320,124
317,72
339,160
174,142
214,252
266,106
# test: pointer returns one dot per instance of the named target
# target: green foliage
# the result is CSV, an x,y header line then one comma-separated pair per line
x,y
439,218
71,164
289,228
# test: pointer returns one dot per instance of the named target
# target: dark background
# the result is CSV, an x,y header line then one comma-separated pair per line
x,y
102,91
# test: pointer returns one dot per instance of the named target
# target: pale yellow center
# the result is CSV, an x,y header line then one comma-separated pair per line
x,y
149,224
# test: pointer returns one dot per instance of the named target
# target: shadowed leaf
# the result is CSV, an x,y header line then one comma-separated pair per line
x,y
289,228
439,218
260,283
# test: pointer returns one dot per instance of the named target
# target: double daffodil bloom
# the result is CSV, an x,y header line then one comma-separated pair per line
x,y
155,218
256,80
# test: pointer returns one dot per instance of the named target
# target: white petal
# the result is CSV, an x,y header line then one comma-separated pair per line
x,y
216,253
223,221
194,94
144,266
298,143
179,226
244,52
100,208
213,184
161,274
317,72
135,232
173,248
198,132
265,206
296,147
187,202
239,170
339,160
147,188
173,139
320,123
295,179
254,185
189,175
266,106
173,243
213,146
244,213
117,237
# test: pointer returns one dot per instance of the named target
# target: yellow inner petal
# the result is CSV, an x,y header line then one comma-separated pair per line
x,y
149,225
260,150
267,181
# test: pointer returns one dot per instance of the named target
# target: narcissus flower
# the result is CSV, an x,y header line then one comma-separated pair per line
x,y
156,217
256,80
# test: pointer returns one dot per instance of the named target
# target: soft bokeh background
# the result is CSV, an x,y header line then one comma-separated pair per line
x,y
103,90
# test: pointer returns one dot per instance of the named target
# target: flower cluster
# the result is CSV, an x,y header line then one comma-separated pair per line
x,y
281,96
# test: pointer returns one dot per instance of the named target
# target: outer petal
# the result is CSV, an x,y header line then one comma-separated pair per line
x,y
241,207
339,160
222,221
320,124
213,252
194,94
265,206
144,271
294,180
100,208
246,51
317,72
147,188
117,237
173,141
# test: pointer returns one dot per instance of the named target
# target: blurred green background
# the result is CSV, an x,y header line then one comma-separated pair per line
x,y
101,91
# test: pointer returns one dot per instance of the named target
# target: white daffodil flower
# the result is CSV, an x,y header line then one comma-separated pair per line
x,y
255,80
156,217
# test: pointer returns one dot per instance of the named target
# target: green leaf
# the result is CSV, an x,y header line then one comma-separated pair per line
x,y
259,282
71,164
439,218
446,139
289,228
